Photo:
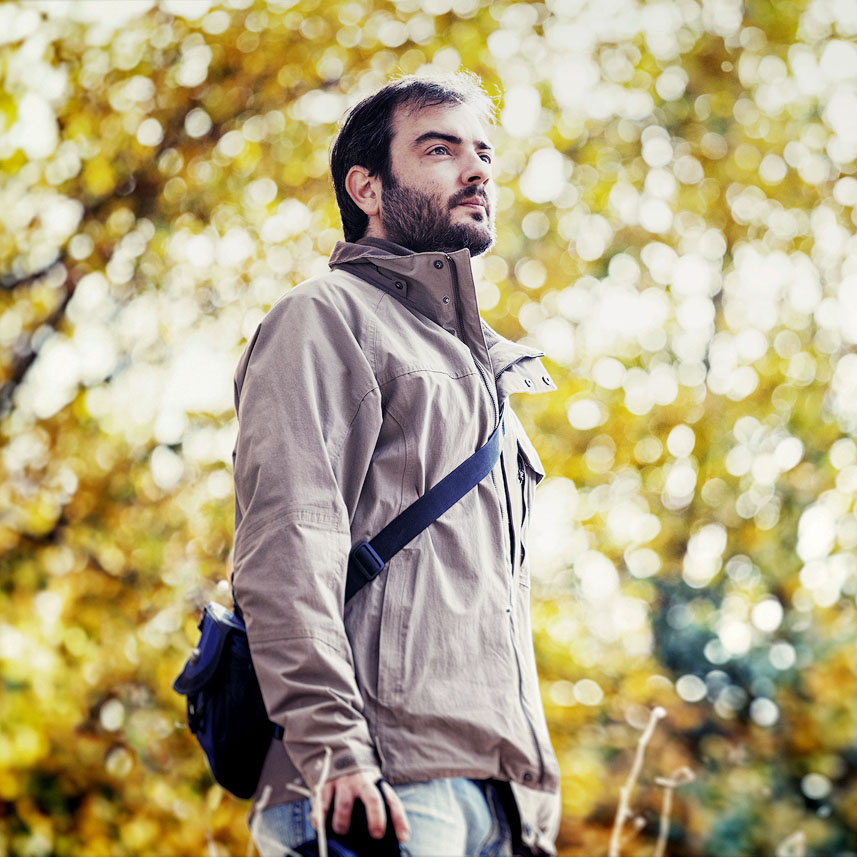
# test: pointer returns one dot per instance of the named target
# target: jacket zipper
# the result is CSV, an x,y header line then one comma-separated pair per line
x,y
503,516
482,370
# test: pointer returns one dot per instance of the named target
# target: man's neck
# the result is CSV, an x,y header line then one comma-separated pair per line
x,y
383,244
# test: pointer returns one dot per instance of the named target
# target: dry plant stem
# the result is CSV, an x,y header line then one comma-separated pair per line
x,y
792,846
255,833
664,827
254,826
315,797
680,777
624,809
254,821
636,826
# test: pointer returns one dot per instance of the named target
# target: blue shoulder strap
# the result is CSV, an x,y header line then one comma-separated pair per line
x,y
368,559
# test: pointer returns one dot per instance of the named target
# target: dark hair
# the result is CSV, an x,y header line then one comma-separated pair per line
x,y
367,129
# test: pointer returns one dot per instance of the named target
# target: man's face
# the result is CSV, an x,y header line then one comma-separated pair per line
x,y
438,196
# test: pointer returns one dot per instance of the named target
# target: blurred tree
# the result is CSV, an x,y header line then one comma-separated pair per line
x,y
676,231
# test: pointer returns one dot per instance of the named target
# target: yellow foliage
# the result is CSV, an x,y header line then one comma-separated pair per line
x,y
99,176
676,231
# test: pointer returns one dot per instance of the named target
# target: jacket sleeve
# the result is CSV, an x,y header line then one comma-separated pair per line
x,y
309,415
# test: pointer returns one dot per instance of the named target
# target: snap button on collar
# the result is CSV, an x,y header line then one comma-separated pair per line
x,y
399,284
446,299
438,264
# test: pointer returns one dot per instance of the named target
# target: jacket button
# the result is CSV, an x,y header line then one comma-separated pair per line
x,y
527,777
399,284
528,382
438,264
446,299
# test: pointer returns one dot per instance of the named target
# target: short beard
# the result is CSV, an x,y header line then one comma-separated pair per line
x,y
423,222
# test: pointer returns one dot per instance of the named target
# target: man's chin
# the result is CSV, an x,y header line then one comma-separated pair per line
x,y
431,236
479,249
478,241
470,233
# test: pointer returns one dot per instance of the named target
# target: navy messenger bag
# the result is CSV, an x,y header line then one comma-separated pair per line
x,y
225,709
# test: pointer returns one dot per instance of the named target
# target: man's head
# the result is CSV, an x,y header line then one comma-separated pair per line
x,y
412,164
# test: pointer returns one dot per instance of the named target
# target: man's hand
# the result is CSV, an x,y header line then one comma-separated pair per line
x,y
343,791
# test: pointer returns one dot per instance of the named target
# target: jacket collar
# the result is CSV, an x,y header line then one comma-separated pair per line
x,y
439,286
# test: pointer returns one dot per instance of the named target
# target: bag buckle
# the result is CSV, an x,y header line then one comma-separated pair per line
x,y
368,563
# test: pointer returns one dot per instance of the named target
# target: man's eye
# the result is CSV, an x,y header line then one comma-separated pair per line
x,y
442,149
486,158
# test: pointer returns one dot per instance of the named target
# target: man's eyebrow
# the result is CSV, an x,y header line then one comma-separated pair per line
x,y
449,138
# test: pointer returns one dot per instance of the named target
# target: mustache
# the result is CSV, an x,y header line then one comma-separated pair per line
x,y
468,195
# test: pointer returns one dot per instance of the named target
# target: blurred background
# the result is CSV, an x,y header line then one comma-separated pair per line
x,y
676,232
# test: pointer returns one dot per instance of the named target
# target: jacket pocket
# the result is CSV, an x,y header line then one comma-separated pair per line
x,y
393,635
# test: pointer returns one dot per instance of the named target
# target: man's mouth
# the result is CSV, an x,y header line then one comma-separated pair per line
x,y
474,204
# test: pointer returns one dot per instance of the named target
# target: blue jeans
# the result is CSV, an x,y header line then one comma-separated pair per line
x,y
448,818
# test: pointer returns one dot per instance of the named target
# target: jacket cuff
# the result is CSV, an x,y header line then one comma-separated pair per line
x,y
344,760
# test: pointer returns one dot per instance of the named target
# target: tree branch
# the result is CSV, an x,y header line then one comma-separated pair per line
x,y
25,360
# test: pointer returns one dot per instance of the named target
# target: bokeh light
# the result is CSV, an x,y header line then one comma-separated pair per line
x,y
677,207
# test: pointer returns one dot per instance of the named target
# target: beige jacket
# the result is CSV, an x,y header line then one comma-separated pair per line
x,y
359,391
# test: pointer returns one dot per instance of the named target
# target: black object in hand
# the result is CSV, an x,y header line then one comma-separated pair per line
x,y
357,842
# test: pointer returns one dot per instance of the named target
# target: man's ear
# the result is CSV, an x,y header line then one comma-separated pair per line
x,y
364,189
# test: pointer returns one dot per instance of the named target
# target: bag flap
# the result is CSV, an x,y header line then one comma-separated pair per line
x,y
216,625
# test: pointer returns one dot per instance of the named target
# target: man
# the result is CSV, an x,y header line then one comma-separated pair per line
x,y
361,390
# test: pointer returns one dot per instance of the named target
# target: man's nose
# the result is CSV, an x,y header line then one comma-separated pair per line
x,y
476,171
